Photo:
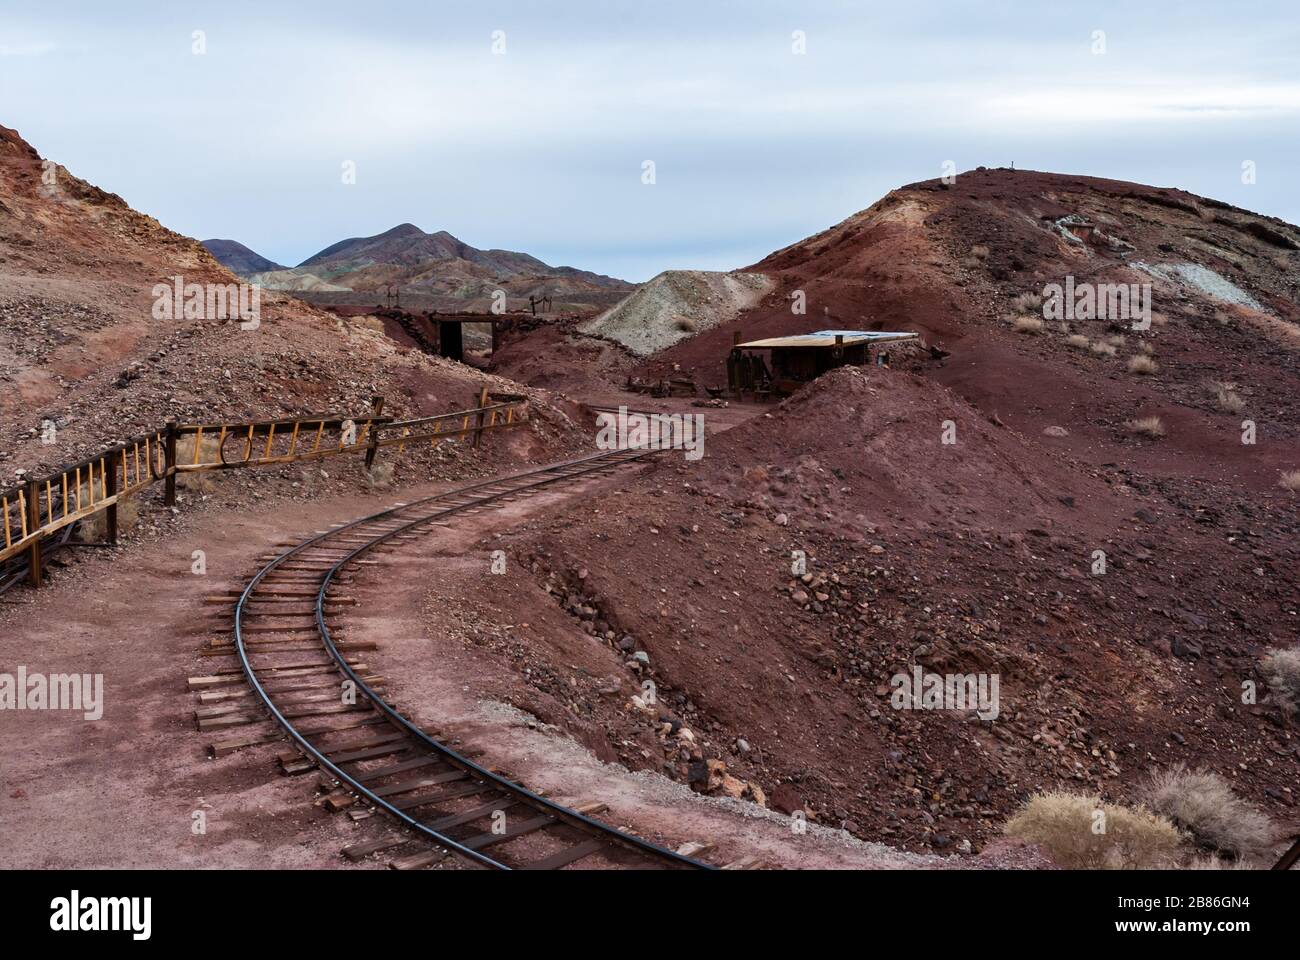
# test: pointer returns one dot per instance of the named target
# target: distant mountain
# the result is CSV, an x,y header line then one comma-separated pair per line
x,y
433,271
408,256
237,258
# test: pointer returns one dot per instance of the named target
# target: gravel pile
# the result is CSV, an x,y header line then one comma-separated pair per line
x,y
677,305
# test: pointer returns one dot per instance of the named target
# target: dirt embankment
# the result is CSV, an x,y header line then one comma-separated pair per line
x,y
972,558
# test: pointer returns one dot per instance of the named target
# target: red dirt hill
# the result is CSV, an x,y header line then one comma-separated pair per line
x,y
960,263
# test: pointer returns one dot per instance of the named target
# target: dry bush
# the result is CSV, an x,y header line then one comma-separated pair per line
x,y
1140,363
1281,669
685,324
1146,347
1027,303
1102,349
94,528
1147,426
1116,340
379,477
1065,825
1290,480
209,452
1078,341
1203,804
1227,398
1031,325
979,251
1212,862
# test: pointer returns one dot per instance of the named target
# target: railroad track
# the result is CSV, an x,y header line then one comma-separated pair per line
x,y
445,800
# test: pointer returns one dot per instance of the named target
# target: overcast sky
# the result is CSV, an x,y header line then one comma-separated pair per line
x,y
541,148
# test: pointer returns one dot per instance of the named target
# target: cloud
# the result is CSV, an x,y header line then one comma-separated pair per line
x,y
32,49
540,149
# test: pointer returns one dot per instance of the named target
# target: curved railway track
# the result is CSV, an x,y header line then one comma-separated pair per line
x,y
441,796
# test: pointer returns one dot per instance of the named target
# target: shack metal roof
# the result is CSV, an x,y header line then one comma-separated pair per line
x,y
826,338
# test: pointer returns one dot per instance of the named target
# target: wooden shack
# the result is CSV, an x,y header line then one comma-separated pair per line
x,y
780,365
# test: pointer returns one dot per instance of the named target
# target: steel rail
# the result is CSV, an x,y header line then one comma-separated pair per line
x,y
585,466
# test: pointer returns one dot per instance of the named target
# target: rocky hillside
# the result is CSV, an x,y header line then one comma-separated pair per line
x,y
89,337
966,266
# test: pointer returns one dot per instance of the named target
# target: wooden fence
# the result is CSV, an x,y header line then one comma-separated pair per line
x,y
40,509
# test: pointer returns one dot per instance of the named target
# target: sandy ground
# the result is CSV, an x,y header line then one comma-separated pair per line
x,y
122,791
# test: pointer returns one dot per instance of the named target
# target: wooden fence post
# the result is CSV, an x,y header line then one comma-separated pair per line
x,y
376,408
34,570
482,402
109,466
169,465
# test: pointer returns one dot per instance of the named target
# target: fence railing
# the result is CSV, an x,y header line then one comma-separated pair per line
x,y
32,513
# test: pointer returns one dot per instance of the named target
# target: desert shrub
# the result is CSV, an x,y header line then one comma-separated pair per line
x,y
1116,340
1203,804
1146,426
209,452
1027,303
1078,341
1102,349
1227,398
1030,325
1140,363
1281,669
95,527
979,251
1066,825
1290,480
685,324
1146,347
1212,862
